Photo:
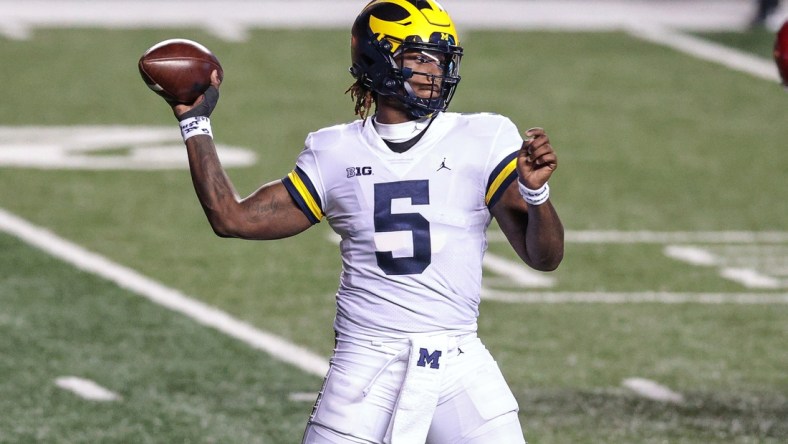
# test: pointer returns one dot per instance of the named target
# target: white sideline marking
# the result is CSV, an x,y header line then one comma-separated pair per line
x,y
659,297
710,51
651,390
160,294
87,389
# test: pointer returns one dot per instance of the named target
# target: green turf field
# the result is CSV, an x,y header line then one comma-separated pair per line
x,y
650,141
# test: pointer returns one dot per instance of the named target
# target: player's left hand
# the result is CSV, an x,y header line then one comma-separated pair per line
x,y
536,160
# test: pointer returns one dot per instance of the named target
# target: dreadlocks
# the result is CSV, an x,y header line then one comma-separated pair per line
x,y
364,98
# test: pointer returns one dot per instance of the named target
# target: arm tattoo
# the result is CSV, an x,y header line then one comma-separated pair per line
x,y
266,208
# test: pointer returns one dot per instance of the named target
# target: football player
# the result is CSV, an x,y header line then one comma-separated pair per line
x,y
781,53
411,190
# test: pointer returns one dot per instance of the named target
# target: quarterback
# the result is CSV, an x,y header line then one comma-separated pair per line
x,y
411,189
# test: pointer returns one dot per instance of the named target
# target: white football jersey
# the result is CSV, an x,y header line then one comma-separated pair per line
x,y
412,224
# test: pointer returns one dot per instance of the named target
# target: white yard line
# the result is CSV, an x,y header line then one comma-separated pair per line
x,y
664,237
656,297
158,293
87,389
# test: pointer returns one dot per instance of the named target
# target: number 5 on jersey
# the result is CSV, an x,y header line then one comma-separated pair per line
x,y
385,221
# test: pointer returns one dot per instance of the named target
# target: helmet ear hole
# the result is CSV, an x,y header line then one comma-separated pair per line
x,y
367,59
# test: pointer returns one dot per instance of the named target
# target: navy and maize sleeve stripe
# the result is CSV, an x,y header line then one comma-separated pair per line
x,y
300,187
500,178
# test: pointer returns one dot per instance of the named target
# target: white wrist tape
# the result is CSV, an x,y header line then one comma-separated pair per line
x,y
534,197
196,126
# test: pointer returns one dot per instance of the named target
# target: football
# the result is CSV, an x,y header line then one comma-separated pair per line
x,y
178,69
781,52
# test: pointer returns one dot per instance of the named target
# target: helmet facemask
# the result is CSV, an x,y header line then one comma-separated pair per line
x,y
442,82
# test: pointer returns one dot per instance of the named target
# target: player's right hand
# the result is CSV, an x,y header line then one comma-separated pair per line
x,y
204,105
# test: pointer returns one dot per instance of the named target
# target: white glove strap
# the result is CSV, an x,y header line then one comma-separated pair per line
x,y
534,197
195,126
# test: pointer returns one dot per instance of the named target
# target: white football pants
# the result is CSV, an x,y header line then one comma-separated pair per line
x,y
361,389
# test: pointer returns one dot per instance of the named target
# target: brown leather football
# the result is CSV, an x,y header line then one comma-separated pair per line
x,y
178,69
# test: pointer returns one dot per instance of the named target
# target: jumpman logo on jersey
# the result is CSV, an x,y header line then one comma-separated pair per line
x,y
443,166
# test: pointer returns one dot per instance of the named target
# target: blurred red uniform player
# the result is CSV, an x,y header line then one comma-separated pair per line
x,y
781,53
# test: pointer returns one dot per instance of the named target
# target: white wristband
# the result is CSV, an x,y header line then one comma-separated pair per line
x,y
534,197
195,126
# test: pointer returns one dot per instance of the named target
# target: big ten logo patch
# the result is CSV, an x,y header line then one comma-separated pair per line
x,y
359,171
425,357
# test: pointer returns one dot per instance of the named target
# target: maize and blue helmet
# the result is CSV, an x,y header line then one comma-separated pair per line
x,y
384,30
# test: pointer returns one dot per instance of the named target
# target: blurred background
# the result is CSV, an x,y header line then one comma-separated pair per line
x,y
124,319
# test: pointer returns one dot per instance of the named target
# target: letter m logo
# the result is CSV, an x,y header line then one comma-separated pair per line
x,y
425,357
